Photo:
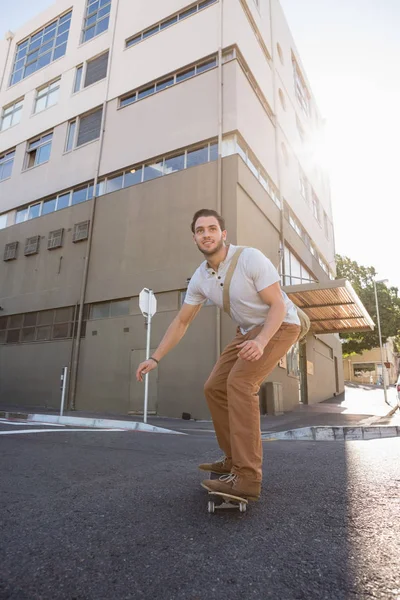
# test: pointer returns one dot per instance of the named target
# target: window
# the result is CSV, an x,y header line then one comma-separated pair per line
x,y
315,205
6,164
187,12
301,90
303,187
38,151
55,239
293,362
41,48
97,18
32,245
78,78
11,115
96,69
166,82
115,308
84,129
55,324
10,251
3,221
47,96
81,231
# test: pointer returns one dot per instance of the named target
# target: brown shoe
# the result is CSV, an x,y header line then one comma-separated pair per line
x,y
221,467
235,486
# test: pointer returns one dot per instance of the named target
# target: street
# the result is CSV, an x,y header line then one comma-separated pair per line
x,y
121,515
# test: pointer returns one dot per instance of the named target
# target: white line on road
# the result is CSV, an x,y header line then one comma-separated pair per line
x,y
54,430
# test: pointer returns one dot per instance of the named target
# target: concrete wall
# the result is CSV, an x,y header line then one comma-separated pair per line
x,y
321,352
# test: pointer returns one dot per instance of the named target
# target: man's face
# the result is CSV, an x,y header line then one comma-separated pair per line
x,y
208,235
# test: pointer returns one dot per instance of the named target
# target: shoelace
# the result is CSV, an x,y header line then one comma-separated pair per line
x,y
229,478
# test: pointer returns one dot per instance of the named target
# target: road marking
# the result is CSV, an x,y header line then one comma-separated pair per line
x,y
54,430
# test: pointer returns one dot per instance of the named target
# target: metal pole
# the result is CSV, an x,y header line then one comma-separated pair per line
x,y
63,388
380,343
146,377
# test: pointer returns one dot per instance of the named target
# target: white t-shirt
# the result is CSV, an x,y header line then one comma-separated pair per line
x,y
253,273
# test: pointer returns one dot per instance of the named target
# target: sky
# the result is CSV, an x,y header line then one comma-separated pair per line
x,y
350,50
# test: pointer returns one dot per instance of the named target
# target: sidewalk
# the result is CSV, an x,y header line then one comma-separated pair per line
x,y
357,407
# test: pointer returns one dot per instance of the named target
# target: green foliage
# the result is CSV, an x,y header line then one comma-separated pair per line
x,y
362,278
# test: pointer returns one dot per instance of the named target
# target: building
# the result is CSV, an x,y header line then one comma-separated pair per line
x,y
367,367
118,121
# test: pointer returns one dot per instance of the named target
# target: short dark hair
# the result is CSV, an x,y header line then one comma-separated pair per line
x,y
207,212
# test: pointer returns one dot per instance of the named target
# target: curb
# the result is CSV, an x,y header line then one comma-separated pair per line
x,y
331,434
87,422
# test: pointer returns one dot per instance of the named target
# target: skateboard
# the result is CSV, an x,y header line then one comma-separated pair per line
x,y
219,500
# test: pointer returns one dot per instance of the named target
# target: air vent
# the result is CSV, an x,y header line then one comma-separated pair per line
x,y
81,231
55,239
32,245
10,251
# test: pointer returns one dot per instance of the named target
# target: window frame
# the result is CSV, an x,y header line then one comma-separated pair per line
x,y
40,89
76,122
35,150
94,24
83,67
14,111
4,161
28,47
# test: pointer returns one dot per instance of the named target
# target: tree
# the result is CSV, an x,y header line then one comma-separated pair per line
x,y
362,280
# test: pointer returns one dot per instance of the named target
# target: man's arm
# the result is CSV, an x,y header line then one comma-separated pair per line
x,y
172,337
272,296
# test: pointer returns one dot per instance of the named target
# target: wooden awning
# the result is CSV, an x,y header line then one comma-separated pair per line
x,y
332,306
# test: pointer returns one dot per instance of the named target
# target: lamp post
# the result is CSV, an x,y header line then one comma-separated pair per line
x,y
380,337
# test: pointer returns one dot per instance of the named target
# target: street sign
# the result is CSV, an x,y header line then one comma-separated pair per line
x,y
147,302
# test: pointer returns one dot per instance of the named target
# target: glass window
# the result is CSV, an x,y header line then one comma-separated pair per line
x,y
6,164
133,176
34,211
71,136
79,195
119,308
30,319
45,317
213,150
164,84
43,333
15,321
197,157
151,32
40,49
153,171
295,270
39,151
146,92
133,41
3,220
128,100
78,78
169,22
100,311
49,206
175,163
22,215
89,127
206,66
186,74
97,19
114,183
61,331
12,336
63,201
206,3
11,115
28,334
63,315
186,13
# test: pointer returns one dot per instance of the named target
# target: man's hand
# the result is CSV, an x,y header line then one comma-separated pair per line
x,y
251,350
144,368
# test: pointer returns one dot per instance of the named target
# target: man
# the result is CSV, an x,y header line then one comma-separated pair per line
x,y
268,325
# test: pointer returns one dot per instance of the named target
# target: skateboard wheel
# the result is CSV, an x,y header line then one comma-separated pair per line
x,y
242,507
211,506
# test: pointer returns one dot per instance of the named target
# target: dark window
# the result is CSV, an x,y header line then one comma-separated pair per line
x,y
32,245
28,334
15,321
10,251
13,336
30,319
89,127
96,69
43,333
61,331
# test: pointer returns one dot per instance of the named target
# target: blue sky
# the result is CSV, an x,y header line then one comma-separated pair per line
x,y
351,52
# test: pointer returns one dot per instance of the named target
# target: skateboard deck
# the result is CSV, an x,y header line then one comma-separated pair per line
x,y
220,500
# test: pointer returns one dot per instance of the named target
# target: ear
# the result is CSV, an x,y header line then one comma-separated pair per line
x,y
224,235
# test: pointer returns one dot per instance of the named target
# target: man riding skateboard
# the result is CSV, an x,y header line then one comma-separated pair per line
x,y
268,325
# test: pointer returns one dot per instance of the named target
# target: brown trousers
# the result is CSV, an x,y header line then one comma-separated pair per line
x,y
232,396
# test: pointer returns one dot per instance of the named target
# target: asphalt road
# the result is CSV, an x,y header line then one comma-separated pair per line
x,y
121,515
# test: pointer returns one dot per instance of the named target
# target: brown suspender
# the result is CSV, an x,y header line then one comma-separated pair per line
x,y
228,277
